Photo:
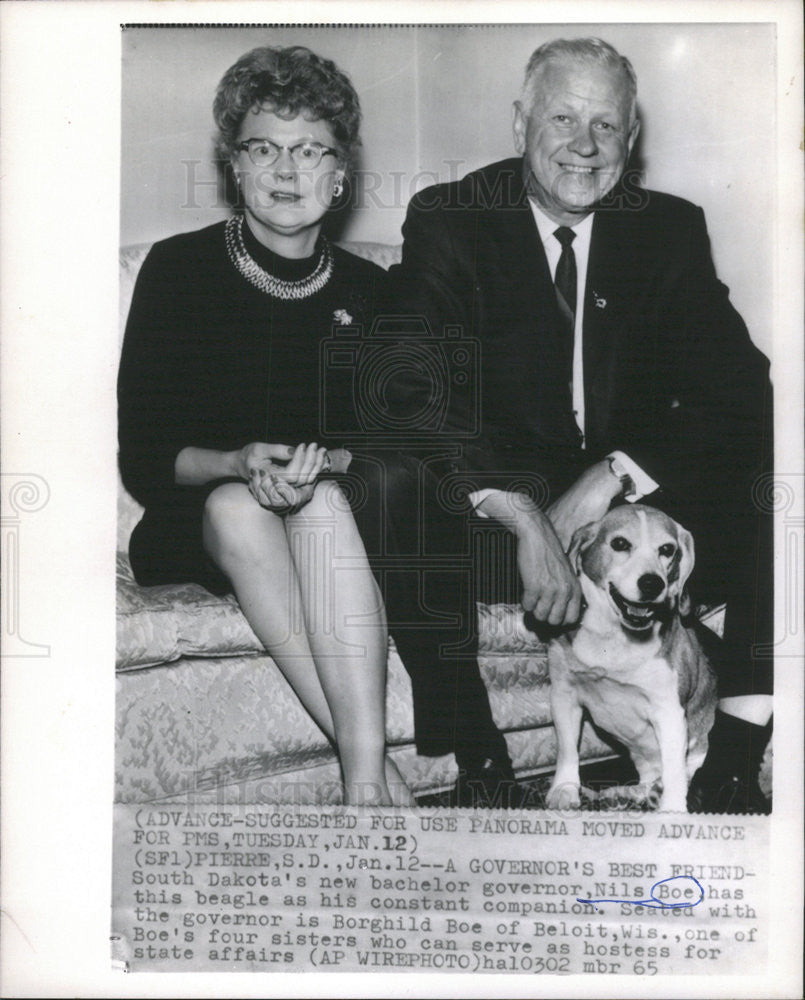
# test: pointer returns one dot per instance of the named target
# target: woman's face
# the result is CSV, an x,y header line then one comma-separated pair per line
x,y
285,202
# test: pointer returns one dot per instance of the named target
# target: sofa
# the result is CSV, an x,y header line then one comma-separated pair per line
x,y
204,714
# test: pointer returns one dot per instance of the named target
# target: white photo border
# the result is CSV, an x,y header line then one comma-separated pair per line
x,y
60,92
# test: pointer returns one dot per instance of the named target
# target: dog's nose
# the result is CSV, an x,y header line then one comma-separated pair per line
x,y
650,586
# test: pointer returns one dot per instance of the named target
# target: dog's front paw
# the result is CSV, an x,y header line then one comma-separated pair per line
x,y
564,795
673,803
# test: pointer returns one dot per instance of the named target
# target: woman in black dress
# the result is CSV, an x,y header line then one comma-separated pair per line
x,y
221,403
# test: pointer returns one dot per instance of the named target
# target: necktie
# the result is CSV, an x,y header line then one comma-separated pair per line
x,y
565,283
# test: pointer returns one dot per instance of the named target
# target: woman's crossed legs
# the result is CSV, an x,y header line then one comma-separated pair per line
x,y
304,585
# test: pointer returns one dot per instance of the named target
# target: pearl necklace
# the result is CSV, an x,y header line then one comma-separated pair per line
x,y
269,283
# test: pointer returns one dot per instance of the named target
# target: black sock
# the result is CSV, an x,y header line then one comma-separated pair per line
x,y
736,748
473,758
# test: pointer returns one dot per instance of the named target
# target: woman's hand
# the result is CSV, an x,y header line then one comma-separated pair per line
x,y
260,456
307,462
284,489
276,494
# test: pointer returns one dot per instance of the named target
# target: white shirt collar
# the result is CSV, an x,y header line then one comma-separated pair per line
x,y
547,227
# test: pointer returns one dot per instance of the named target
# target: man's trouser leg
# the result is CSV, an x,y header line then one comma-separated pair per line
x,y
733,537
734,552
421,555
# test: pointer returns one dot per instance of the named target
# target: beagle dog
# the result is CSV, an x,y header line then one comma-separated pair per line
x,y
631,662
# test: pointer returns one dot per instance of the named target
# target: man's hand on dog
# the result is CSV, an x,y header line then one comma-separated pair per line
x,y
588,499
551,590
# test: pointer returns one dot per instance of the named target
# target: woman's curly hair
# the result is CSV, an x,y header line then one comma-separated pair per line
x,y
289,81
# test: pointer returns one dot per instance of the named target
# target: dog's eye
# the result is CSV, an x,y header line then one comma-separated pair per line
x,y
668,551
620,544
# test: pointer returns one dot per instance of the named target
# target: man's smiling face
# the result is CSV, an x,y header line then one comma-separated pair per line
x,y
576,137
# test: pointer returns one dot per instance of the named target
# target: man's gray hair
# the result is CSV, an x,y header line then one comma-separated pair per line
x,y
594,50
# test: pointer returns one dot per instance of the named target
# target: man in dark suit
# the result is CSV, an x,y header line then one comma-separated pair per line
x,y
612,367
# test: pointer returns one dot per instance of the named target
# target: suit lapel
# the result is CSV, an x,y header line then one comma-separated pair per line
x,y
516,245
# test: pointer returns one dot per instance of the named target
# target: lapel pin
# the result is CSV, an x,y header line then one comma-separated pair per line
x,y
600,303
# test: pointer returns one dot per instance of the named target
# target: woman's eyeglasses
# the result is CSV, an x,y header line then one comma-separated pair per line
x,y
305,155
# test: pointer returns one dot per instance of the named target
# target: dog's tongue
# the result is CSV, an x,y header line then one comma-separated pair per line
x,y
635,614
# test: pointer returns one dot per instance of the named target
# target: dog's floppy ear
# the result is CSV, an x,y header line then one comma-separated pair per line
x,y
687,560
579,542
